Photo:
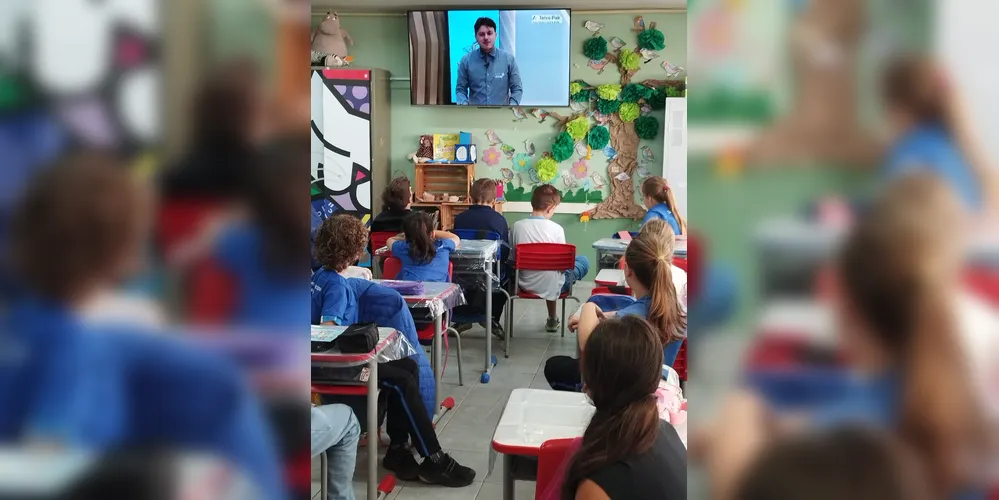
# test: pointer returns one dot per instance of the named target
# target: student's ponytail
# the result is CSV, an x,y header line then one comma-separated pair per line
x,y
650,257
419,228
891,280
621,370
658,189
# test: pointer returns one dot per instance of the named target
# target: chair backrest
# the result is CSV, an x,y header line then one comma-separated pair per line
x,y
552,459
379,238
392,267
680,262
181,220
546,257
481,234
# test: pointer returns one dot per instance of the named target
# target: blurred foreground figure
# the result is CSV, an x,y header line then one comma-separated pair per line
x,y
854,463
915,369
68,383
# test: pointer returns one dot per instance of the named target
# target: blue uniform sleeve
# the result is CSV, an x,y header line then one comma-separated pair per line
x,y
651,215
446,246
399,249
673,223
334,306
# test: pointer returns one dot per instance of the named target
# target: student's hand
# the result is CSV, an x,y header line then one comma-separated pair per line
x,y
573,322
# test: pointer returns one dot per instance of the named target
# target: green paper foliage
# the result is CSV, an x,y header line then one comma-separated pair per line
x,y
628,60
646,127
652,39
577,128
575,87
562,149
629,111
674,92
658,99
581,96
595,48
578,91
547,169
599,137
609,91
634,92
608,107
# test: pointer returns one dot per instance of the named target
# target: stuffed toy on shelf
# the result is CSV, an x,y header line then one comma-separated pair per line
x,y
329,43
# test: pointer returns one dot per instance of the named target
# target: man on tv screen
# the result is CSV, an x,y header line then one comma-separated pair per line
x,y
488,76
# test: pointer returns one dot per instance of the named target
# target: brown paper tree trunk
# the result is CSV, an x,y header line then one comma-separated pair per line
x,y
621,201
823,124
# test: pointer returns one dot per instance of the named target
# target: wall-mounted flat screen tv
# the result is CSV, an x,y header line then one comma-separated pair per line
x,y
488,57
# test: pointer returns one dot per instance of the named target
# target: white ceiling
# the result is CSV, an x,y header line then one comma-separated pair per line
x,y
404,5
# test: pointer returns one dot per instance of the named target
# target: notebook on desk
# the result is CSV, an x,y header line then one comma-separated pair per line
x,y
325,333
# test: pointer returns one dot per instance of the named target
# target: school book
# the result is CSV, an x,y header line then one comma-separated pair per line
x,y
410,288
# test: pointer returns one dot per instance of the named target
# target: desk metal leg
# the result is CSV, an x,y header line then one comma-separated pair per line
x,y
489,328
438,365
507,477
373,432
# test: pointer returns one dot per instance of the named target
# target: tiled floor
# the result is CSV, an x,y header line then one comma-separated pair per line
x,y
466,431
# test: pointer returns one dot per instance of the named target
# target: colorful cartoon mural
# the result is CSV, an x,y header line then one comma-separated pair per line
x,y
341,144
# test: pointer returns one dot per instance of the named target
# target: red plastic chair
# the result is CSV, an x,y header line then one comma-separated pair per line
x,y
611,290
552,458
180,220
211,294
542,257
426,335
378,239
680,262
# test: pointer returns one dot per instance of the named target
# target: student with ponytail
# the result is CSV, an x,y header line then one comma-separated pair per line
x,y
626,450
648,271
661,203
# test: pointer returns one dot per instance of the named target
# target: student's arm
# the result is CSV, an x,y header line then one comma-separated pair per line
x,y
444,235
589,317
393,240
588,490
461,89
516,86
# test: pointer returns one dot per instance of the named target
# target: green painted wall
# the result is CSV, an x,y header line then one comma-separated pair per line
x,y
382,41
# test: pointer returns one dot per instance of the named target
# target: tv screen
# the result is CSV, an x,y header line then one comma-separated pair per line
x,y
489,57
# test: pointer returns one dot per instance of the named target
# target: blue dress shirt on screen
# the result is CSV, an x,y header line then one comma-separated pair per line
x,y
489,79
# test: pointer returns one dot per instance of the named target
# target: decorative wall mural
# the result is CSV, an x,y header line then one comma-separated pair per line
x,y
102,93
341,144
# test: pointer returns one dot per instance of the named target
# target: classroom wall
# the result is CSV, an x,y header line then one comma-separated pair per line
x,y
382,41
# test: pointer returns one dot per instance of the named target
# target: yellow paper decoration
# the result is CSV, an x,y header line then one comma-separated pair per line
x,y
577,128
609,91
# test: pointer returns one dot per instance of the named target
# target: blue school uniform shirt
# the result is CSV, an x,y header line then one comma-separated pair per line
x,y
661,211
640,308
265,297
332,299
931,148
96,388
435,270
874,402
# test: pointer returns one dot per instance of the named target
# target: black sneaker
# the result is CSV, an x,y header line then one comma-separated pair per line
x,y
401,462
497,329
462,327
445,472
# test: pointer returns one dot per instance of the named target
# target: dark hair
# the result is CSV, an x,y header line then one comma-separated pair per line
x,y
911,83
848,462
894,288
226,106
484,21
483,191
621,367
419,229
658,189
545,196
275,202
650,257
397,195
340,241
77,222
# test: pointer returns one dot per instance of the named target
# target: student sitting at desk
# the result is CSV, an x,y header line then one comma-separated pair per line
x,y
339,242
647,270
661,203
626,450
482,217
64,382
425,253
